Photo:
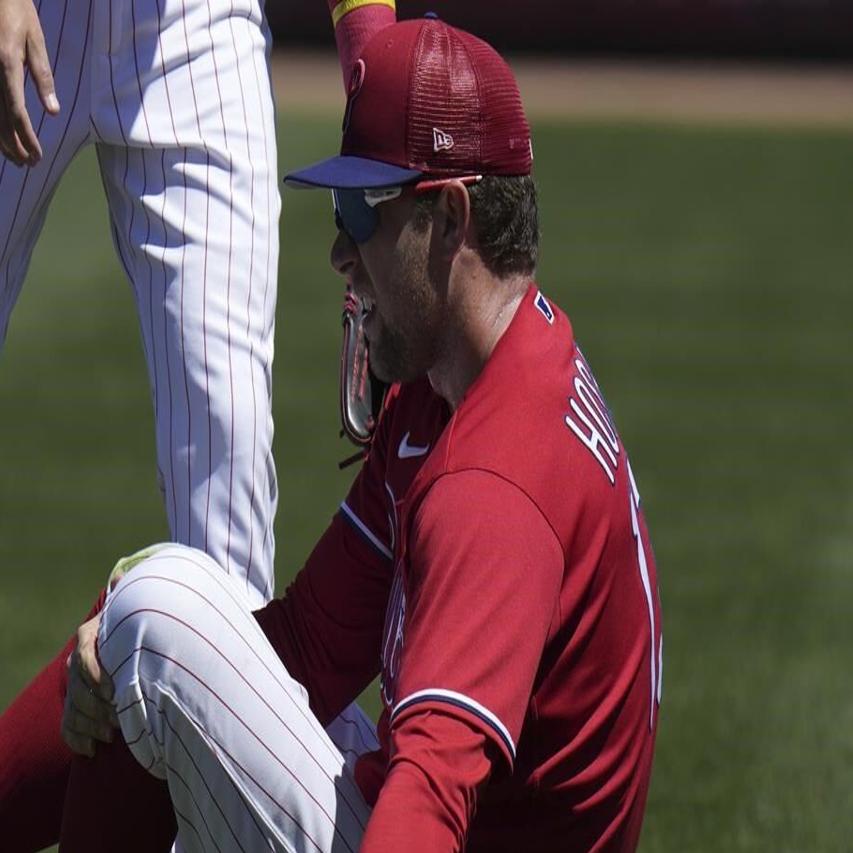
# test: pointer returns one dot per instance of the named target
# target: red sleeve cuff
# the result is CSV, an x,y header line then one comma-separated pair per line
x,y
462,708
438,766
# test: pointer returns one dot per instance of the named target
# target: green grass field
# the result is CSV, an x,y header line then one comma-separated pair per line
x,y
709,275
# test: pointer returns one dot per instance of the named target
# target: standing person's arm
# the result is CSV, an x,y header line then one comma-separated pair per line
x,y
356,22
485,570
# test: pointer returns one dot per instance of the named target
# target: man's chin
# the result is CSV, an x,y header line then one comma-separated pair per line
x,y
389,377
392,361
390,371
379,366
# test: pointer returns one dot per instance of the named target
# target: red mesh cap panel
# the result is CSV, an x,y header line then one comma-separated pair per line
x,y
505,145
465,111
444,105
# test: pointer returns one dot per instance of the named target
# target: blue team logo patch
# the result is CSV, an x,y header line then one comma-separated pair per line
x,y
544,307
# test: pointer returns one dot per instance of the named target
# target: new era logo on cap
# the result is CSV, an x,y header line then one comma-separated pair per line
x,y
441,141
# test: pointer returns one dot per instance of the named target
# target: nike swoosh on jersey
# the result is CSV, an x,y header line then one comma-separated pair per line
x,y
407,451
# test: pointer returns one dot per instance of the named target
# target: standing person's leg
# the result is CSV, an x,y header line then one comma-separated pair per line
x,y
33,759
187,153
188,158
205,703
190,174
244,541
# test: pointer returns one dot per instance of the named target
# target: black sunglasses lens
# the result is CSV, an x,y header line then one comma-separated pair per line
x,y
354,215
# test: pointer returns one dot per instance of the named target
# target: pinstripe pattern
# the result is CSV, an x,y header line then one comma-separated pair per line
x,y
200,783
175,94
205,703
259,62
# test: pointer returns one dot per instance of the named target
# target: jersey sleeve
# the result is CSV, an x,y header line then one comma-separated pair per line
x,y
482,595
430,792
327,626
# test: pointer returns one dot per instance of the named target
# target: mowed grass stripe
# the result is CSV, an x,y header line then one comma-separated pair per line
x,y
715,284
707,274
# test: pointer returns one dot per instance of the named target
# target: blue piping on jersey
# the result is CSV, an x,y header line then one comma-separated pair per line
x,y
459,700
364,531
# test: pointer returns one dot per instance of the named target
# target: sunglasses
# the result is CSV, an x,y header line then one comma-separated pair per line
x,y
355,209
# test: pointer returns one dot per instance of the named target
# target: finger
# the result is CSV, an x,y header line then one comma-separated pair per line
x,y
81,691
16,154
10,156
84,699
39,65
9,143
18,116
81,726
93,673
80,723
86,656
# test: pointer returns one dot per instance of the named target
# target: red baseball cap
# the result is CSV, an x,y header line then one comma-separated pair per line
x,y
426,99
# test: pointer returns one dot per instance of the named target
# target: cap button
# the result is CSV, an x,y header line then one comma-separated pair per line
x,y
433,16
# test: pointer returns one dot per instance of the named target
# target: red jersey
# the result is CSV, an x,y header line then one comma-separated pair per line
x,y
494,564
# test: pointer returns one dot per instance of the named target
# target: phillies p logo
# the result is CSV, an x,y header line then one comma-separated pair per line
x,y
355,83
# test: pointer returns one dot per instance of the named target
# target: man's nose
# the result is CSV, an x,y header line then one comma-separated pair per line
x,y
344,254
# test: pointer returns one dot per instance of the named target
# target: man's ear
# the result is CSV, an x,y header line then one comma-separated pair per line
x,y
452,218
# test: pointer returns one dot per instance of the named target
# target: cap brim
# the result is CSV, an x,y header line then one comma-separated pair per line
x,y
350,173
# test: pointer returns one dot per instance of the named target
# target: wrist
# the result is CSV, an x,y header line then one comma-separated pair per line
x,y
341,8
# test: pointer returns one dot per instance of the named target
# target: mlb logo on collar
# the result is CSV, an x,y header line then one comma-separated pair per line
x,y
544,307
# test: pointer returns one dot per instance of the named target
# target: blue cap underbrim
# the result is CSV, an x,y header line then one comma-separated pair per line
x,y
351,173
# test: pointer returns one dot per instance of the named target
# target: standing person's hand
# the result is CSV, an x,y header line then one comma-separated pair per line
x,y
89,716
22,46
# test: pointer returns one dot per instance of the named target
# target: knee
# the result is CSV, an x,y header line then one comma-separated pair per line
x,y
158,595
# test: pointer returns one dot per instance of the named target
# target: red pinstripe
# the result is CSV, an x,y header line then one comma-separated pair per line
x,y
202,683
173,771
228,281
248,308
271,673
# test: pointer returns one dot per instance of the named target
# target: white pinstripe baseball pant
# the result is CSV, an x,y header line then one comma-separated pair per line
x,y
205,703
175,95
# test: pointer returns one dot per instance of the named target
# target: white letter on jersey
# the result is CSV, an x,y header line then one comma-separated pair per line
x,y
595,429
656,659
